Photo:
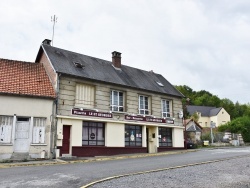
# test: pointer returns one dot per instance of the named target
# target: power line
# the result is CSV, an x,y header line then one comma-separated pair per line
x,y
54,20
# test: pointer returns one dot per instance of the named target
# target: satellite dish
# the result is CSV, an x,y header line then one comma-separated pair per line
x,y
180,114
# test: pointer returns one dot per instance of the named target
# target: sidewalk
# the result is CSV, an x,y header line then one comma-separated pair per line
x,y
89,159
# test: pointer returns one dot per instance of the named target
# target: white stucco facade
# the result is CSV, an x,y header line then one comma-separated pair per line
x,y
26,126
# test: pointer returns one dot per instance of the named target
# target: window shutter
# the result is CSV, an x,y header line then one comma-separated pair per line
x,y
39,130
6,123
84,96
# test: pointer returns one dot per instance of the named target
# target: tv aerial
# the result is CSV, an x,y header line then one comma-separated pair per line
x,y
54,20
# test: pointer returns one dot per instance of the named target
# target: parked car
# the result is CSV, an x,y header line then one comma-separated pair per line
x,y
191,145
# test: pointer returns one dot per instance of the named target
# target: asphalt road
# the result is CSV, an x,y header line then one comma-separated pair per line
x,y
79,174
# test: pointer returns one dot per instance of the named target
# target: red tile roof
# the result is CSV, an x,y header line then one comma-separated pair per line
x,y
24,78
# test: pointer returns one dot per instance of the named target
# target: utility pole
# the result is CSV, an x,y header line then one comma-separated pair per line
x,y
54,20
212,125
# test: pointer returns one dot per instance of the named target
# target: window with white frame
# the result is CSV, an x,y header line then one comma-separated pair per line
x,y
39,130
116,101
85,96
6,124
165,107
143,105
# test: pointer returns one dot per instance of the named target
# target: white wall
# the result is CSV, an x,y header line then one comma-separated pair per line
x,y
114,135
24,106
178,137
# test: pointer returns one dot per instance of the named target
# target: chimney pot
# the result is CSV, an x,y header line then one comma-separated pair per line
x,y
46,41
116,59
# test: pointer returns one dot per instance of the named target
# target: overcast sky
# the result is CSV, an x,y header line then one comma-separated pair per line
x,y
204,44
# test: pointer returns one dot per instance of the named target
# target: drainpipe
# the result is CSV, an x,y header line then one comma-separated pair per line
x,y
52,125
56,111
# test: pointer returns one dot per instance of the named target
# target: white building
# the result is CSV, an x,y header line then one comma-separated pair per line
x,y
26,108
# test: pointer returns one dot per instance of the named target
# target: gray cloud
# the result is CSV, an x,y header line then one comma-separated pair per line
x,y
202,44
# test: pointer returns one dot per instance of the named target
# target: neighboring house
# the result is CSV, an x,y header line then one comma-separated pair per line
x,y
208,115
26,104
193,130
106,108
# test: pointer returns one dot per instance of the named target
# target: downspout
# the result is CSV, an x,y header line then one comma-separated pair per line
x,y
52,124
56,112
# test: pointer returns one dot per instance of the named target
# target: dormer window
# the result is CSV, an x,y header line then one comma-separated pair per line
x,y
78,64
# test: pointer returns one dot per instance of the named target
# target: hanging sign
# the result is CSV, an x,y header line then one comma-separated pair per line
x,y
91,113
149,119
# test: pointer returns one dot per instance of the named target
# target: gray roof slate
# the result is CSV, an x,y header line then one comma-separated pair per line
x,y
102,70
192,126
206,111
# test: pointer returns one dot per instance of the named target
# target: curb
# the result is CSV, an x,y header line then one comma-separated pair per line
x,y
60,162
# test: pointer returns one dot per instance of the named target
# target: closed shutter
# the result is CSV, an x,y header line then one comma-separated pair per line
x,y
84,96
6,123
39,130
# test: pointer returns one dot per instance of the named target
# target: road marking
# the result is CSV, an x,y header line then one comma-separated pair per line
x,y
161,169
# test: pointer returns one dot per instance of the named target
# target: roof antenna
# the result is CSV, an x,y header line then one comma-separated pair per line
x,y
54,20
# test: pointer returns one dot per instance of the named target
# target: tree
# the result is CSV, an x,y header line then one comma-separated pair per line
x,y
205,98
239,125
195,117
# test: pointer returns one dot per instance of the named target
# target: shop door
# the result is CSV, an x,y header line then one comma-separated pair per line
x,y
22,136
66,139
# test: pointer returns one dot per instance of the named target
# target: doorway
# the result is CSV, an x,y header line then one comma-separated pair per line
x,y
66,140
22,131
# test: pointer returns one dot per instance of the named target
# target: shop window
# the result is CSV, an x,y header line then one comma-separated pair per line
x,y
165,136
133,135
143,105
84,96
6,123
93,134
165,106
117,101
38,130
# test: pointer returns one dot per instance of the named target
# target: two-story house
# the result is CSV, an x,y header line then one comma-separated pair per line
x,y
209,115
106,108
26,107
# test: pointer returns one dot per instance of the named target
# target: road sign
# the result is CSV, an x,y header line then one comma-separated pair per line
x,y
212,125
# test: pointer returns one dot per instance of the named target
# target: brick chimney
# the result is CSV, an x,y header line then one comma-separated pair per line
x,y
116,59
47,41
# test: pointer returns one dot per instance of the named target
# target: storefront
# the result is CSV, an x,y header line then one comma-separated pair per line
x,y
90,133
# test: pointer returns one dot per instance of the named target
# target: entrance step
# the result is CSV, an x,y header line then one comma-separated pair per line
x,y
67,156
20,156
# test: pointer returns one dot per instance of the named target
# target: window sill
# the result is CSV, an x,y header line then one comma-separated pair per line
x,y
38,144
117,112
6,144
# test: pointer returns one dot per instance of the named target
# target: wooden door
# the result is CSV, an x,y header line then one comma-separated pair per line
x,y
66,139
22,142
